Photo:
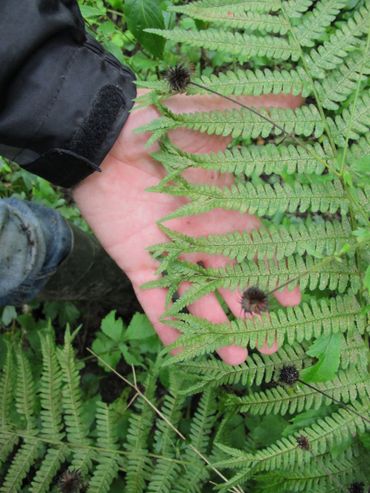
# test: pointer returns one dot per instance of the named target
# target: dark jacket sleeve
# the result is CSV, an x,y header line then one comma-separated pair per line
x,y
63,98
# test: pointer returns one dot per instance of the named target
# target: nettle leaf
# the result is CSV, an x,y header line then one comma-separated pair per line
x,y
327,349
143,14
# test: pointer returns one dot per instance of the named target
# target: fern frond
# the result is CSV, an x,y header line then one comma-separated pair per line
x,y
261,199
260,368
247,20
341,83
359,149
274,241
324,475
75,422
21,464
298,323
352,126
202,8
50,465
256,369
314,24
295,8
336,429
108,461
308,273
50,390
196,473
6,389
251,160
26,392
139,465
242,45
246,83
345,387
303,121
343,40
166,471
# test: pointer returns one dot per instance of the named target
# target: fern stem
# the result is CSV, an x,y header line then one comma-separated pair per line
x,y
276,125
163,417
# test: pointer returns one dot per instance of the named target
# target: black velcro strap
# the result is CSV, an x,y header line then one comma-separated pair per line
x,y
94,130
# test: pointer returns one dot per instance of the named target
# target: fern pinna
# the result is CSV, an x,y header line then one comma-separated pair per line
x,y
305,174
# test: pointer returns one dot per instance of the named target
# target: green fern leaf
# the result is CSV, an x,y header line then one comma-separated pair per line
x,y
51,390
298,323
303,121
347,386
246,83
343,40
295,8
166,469
317,239
21,464
196,473
309,273
335,429
108,461
352,124
202,8
6,389
48,470
260,199
341,83
75,422
258,368
314,24
249,21
26,392
139,465
251,160
326,474
242,45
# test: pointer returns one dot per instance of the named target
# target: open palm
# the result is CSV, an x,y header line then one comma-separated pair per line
x,y
124,215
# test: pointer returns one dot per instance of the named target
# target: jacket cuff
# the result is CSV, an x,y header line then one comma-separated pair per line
x,y
88,96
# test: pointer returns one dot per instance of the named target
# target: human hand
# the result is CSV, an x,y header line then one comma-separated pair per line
x,y
124,216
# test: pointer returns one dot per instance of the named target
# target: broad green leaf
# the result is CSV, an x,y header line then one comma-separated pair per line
x,y
112,327
143,14
139,328
327,349
107,350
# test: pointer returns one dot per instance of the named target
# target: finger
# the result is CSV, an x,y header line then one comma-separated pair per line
x,y
288,297
209,308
